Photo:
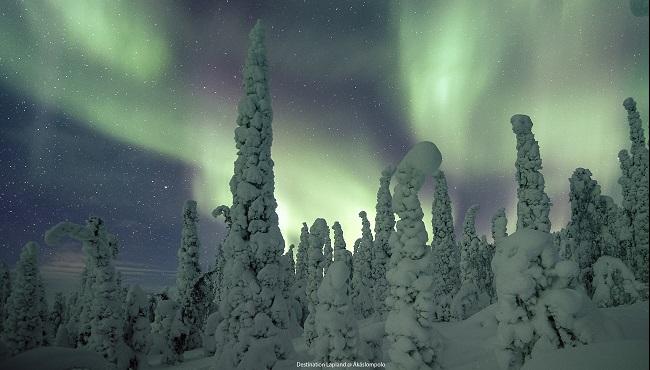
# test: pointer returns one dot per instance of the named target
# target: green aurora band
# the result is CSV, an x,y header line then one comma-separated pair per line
x,y
465,68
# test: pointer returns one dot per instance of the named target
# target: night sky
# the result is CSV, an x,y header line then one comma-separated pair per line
x,y
125,109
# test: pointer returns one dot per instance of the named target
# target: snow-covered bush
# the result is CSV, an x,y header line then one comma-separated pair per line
x,y
614,283
540,305
23,325
209,331
533,205
56,316
445,256
412,341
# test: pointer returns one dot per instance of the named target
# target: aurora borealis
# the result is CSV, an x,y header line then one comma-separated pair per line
x,y
125,109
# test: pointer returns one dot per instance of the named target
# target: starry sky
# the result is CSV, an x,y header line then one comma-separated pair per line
x,y
126,109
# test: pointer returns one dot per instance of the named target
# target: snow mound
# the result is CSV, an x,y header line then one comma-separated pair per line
x,y
423,156
57,358
629,355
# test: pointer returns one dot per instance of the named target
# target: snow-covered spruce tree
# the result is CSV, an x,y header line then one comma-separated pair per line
x,y
540,306
327,252
219,260
634,181
499,225
336,327
584,227
57,316
339,243
533,205
163,330
189,270
300,283
104,313
412,341
361,276
23,327
43,312
317,233
384,225
445,257
608,214
137,327
5,290
487,251
472,296
255,314
614,283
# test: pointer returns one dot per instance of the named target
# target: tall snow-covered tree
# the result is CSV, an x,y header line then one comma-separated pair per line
x,y
300,282
327,252
137,327
339,241
361,275
445,257
499,225
634,181
584,229
539,307
336,327
255,313
317,233
412,341
533,204
23,325
187,274
104,311
384,225
471,296
5,290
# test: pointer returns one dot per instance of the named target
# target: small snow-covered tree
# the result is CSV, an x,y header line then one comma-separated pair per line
x,y
104,310
137,327
300,282
445,256
533,204
584,228
219,258
608,219
336,327
63,337
634,182
56,316
614,283
539,306
471,296
189,270
499,225
384,225
23,325
255,313
339,243
361,275
317,238
5,290
412,341
164,329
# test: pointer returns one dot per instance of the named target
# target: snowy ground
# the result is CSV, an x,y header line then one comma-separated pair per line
x,y
468,345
